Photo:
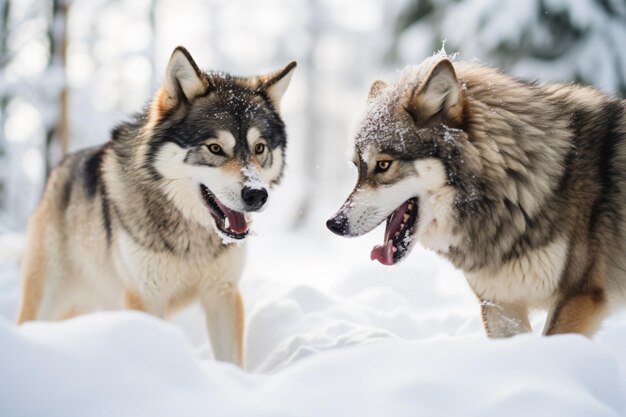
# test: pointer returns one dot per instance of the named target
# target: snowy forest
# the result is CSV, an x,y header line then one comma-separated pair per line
x,y
71,70
328,332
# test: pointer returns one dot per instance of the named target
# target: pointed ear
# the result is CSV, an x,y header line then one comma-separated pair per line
x,y
375,89
440,91
275,84
183,80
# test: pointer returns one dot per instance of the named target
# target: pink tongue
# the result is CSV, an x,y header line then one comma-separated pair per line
x,y
383,253
235,218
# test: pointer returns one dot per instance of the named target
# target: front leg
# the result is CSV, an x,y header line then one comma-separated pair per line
x,y
579,312
134,300
504,319
225,323
580,303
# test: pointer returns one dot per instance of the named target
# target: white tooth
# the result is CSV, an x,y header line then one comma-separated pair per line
x,y
226,223
397,234
406,216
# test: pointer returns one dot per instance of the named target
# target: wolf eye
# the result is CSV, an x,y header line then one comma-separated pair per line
x,y
259,148
382,166
216,149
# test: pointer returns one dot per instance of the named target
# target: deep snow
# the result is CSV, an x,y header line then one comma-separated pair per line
x,y
329,333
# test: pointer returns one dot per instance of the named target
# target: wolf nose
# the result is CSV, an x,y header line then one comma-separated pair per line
x,y
254,198
338,225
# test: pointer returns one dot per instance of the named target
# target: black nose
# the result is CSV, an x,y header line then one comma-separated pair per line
x,y
338,225
254,198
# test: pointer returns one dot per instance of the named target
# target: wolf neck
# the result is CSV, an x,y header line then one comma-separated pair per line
x,y
140,206
518,154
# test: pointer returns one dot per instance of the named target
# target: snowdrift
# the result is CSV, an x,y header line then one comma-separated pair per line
x,y
129,364
339,337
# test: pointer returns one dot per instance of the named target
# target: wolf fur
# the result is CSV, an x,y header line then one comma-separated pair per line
x,y
520,185
128,224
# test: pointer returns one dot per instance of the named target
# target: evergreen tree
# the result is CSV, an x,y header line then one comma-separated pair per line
x,y
4,96
556,40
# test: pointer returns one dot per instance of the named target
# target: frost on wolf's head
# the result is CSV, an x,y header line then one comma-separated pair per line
x,y
383,124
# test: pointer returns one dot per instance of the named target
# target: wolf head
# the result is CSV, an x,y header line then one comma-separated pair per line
x,y
215,143
410,134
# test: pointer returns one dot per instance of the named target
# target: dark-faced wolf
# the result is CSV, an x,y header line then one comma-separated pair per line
x,y
520,185
152,219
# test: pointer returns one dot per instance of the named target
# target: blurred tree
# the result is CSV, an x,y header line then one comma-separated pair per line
x,y
5,9
151,52
313,117
556,40
57,134
34,129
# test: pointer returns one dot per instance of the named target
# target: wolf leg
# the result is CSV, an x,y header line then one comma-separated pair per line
x,y
134,301
577,313
504,319
49,300
32,292
225,322
34,271
48,292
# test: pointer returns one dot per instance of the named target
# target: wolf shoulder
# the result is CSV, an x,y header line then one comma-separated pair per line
x,y
74,188
80,168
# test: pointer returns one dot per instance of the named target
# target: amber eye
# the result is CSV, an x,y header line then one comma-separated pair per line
x,y
259,148
382,166
216,149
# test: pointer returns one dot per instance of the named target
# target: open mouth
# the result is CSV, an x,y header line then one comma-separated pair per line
x,y
230,222
399,232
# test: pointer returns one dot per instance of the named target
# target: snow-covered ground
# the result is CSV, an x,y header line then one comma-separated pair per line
x,y
329,333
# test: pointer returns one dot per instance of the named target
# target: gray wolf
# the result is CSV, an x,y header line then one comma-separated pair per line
x,y
520,185
154,218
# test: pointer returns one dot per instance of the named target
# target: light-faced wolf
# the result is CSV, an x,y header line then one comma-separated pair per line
x,y
148,220
520,185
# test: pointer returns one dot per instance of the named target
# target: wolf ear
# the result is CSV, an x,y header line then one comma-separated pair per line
x,y
375,89
275,84
183,80
440,91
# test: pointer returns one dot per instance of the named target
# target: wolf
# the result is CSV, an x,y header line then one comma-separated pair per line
x,y
156,217
520,185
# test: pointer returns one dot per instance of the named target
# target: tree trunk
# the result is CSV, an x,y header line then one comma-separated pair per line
x,y
5,11
57,136
312,123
